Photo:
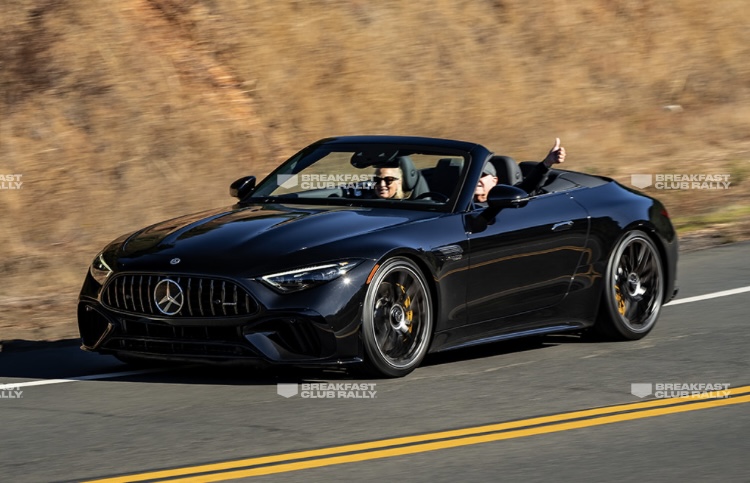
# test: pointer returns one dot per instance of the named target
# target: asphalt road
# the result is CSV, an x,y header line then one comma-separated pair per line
x,y
519,410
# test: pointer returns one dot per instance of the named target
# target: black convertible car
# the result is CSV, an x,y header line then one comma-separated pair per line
x,y
311,267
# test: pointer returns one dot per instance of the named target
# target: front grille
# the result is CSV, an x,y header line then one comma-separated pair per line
x,y
201,296
179,349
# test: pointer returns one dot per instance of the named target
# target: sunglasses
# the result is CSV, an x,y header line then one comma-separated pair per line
x,y
388,180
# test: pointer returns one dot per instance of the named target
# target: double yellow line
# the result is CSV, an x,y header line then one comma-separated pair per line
x,y
387,448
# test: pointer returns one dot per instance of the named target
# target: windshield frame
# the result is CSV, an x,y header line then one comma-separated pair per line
x,y
317,151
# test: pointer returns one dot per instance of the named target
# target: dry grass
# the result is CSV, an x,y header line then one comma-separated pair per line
x,y
118,114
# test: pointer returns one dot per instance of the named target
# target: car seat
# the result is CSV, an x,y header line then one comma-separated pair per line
x,y
508,171
413,180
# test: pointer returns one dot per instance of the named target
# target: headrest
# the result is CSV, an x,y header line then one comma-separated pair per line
x,y
450,162
508,171
409,172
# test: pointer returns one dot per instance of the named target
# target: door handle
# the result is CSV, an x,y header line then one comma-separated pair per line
x,y
563,225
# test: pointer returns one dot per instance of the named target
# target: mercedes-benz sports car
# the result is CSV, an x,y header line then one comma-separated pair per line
x,y
312,267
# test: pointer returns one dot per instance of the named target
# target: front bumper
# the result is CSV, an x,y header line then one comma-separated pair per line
x,y
278,332
295,338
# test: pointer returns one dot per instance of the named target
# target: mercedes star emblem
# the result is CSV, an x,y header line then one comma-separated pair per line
x,y
168,297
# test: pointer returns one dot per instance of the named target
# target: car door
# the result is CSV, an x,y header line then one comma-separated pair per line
x,y
525,259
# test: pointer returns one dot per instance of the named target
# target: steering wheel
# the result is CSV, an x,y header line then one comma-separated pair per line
x,y
434,195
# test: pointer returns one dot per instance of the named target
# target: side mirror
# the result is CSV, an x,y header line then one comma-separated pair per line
x,y
500,197
505,196
242,187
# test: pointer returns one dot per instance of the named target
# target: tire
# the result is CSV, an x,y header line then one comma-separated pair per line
x,y
397,319
633,289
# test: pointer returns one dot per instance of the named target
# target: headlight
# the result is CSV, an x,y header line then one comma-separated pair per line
x,y
99,269
295,280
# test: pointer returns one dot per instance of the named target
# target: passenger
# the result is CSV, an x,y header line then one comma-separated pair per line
x,y
530,183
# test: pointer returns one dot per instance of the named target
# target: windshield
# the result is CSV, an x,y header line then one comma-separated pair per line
x,y
418,178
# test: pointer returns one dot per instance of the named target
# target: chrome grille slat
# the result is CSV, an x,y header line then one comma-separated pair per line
x,y
224,297
211,299
132,297
148,296
200,296
124,300
189,304
134,293
140,293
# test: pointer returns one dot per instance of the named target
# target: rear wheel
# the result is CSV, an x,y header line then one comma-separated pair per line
x,y
633,289
397,319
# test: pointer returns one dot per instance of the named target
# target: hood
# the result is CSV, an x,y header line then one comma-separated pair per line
x,y
254,238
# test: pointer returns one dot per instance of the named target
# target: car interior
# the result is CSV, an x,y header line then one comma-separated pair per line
x,y
443,177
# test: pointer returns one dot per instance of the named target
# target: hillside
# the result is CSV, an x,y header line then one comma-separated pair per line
x,y
119,114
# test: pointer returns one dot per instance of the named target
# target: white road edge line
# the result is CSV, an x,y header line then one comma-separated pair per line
x,y
92,377
113,375
714,295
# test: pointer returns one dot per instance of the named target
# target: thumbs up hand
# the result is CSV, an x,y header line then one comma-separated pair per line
x,y
556,155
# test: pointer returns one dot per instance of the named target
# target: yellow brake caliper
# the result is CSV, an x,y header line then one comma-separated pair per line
x,y
407,303
620,300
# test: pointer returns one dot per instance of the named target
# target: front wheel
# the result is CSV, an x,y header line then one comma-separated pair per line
x,y
397,318
633,289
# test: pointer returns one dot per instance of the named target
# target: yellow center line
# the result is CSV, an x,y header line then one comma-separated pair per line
x,y
426,442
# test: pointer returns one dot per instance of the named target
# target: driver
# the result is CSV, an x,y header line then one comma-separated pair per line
x,y
387,183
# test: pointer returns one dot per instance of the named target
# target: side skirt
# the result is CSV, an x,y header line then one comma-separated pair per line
x,y
513,335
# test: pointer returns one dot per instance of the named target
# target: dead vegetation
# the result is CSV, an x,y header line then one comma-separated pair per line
x,y
119,114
